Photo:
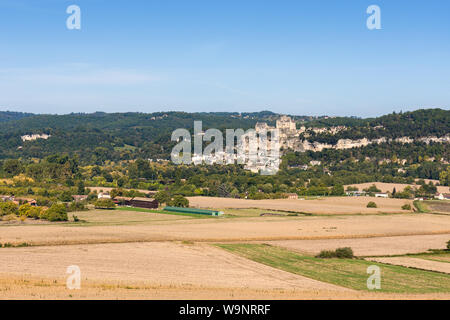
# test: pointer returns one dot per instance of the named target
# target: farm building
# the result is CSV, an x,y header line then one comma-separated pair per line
x,y
140,202
292,196
194,211
123,201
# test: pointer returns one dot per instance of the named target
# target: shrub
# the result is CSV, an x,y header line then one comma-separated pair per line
x,y
23,209
448,245
325,254
7,208
9,217
344,253
406,207
372,189
371,204
56,212
104,204
341,253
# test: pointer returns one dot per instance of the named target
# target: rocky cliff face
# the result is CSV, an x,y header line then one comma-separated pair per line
x,y
302,146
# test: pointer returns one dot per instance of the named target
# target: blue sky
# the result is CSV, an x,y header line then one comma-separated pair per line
x,y
295,57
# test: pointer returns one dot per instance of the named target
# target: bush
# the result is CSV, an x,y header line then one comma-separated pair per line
x,y
372,189
344,253
371,204
76,206
56,212
7,208
406,207
26,210
326,254
341,253
104,204
448,245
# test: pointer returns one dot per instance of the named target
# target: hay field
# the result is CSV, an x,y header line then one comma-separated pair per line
x,y
326,205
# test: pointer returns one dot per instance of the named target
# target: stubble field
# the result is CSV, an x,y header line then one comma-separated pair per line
x,y
150,255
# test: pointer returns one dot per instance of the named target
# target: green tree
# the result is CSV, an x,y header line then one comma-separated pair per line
x,y
104,204
162,197
57,212
179,201
337,190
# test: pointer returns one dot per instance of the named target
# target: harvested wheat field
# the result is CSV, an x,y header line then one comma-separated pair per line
x,y
242,229
157,265
33,288
388,187
160,271
326,205
379,246
417,263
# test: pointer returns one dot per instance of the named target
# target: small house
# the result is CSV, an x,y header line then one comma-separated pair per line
x,y
104,195
442,196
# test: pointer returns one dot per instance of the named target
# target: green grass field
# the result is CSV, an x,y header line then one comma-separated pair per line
x,y
127,216
421,206
193,215
350,273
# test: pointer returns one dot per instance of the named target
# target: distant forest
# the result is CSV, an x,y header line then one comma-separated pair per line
x,y
97,137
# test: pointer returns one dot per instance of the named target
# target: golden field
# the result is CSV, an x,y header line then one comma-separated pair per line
x,y
150,255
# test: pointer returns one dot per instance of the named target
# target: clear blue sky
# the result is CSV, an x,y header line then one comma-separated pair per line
x,y
296,57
